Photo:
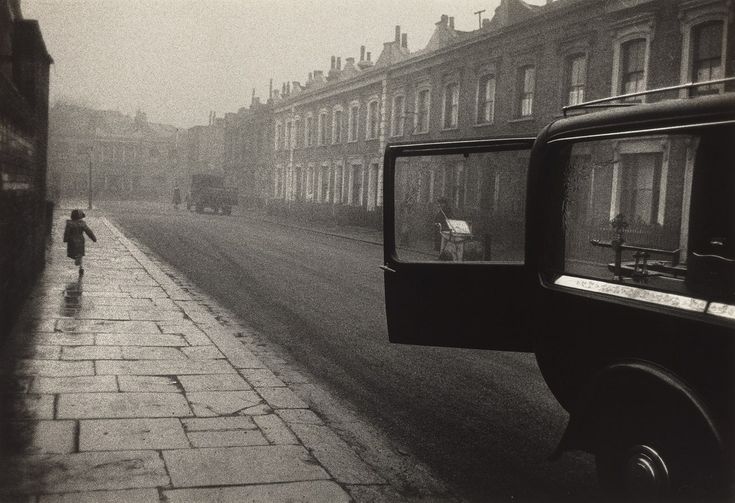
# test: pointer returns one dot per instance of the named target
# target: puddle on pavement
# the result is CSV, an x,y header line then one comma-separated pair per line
x,y
72,302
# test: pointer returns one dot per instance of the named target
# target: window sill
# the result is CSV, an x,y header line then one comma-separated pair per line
x,y
417,133
453,128
530,118
484,124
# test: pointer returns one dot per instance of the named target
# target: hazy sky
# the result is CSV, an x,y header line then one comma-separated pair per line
x,y
179,59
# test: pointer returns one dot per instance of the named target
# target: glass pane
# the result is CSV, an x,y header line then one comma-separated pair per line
x,y
630,207
461,208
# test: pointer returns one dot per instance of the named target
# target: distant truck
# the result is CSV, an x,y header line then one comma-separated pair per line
x,y
209,191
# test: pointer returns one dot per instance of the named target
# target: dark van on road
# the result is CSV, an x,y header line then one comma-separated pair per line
x,y
606,246
209,191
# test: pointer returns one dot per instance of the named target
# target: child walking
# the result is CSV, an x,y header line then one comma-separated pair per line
x,y
74,238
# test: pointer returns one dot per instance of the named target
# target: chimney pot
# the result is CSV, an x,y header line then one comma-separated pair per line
x,y
368,56
333,63
451,22
339,62
404,40
398,34
362,52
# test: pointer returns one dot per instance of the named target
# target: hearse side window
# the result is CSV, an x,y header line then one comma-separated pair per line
x,y
461,208
652,213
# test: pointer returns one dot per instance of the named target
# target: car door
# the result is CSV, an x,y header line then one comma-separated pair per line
x,y
454,244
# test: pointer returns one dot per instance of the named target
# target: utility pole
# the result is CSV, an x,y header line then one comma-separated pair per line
x,y
89,180
479,17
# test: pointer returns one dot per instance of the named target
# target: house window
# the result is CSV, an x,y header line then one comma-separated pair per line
x,y
576,78
707,55
309,131
486,99
527,83
323,128
337,126
451,106
639,183
422,111
398,117
633,54
352,123
338,184
324,195
357,185
297,137
279,132
372,120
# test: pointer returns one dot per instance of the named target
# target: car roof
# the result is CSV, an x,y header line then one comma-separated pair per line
x,y
662,114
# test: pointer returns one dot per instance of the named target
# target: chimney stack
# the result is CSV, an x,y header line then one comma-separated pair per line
x,y
451,23
404,40
334,62
368,56
270,89
362,53
339,62
398,34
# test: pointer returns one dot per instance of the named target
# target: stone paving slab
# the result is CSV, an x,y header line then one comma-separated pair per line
x,y
164,367
241,465
214,382
47,437
78,384
152,339
320,491
121,405
151,384
126,434
55,368
221,403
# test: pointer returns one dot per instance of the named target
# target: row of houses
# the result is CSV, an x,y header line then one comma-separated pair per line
x,y
511,76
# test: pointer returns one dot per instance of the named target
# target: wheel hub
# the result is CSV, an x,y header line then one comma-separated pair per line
x,y
646,473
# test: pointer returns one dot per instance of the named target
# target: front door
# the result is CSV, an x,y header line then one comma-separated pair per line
x,y
454,234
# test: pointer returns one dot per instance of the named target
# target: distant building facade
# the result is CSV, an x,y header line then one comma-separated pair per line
x,y
129,157
511,76
24,214
248,152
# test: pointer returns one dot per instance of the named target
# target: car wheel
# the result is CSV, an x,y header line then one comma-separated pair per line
x,y
660,459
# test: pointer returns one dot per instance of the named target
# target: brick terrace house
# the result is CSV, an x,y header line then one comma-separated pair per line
x,y
248,151
509,77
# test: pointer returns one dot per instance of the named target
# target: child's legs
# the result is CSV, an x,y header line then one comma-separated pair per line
x,y
80,263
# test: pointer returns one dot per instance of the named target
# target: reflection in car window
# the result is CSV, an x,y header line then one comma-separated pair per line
x,y
461,208
631,213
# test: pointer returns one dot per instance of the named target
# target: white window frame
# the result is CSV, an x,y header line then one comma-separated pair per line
x,y
307,129
373,101
521,88
455,118
651,145
337,127
488,72
692,17
321,138
353,122
640,27
568,58
397,122
419,90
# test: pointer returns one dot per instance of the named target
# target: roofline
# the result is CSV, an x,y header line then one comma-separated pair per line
x,y
470,40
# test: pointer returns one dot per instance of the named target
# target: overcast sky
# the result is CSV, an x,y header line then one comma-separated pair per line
x,y
178,59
